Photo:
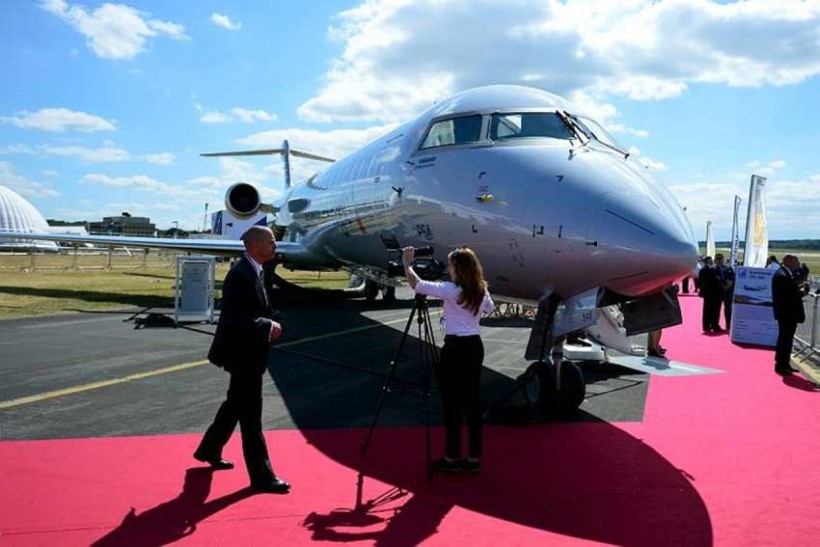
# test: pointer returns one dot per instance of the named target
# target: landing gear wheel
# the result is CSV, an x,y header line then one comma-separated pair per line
x,y
539,385
573,388
389,294
540,391
371,290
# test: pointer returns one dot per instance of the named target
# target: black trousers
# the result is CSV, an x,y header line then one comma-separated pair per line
x,y
783,350
727,310
460,386
711,313
243,405
685,285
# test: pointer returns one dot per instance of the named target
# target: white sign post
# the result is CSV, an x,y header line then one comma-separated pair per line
x,y
195,289
753,313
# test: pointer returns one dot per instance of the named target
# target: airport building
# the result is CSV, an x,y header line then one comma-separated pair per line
x,y
124,225
18,215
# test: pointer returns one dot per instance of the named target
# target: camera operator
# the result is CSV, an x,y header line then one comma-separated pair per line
x,y
465,300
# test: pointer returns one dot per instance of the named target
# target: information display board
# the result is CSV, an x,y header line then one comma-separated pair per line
x,y
752,314
195,289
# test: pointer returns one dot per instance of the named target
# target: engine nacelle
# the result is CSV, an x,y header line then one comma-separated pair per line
x,y
242,200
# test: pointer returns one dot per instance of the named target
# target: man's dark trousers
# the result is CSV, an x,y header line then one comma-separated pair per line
x,y
785,340
244,406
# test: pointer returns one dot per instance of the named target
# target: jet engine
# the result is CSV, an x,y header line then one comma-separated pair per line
x,y
242,200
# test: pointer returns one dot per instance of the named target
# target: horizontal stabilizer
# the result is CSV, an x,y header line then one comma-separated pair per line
x,y
270,152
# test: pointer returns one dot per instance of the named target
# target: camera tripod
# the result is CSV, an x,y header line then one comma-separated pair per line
x,y
428,356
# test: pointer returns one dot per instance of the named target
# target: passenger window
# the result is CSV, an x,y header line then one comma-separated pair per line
x,y
463,130
535,124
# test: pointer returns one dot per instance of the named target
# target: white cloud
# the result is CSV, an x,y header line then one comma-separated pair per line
x,y
236,114
335,144
113,31
791,206
247,115
109,152
60,119
233,170
141,184
225,22
653,165
22,185
215,117
98,155
766,170
163,158
399,56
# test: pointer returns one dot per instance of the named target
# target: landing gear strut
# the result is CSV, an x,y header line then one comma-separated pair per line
x,y
553,386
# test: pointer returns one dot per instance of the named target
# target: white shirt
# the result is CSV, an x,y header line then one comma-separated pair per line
x,y
256,266
459,321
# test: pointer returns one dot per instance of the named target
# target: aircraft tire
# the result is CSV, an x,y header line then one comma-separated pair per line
x,y
539,385
573,388
371,290
389,294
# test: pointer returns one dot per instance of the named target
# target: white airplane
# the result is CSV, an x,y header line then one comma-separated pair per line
x,y
554,207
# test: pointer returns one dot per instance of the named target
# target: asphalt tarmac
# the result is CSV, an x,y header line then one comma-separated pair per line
x,y
103,374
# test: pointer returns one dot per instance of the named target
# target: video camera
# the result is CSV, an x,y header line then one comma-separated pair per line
x,y
427,267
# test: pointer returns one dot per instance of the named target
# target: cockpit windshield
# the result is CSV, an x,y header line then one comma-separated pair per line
x,y
461,130
593,130
529,125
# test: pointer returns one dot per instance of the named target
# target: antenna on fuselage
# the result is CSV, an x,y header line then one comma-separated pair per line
x,y
286,152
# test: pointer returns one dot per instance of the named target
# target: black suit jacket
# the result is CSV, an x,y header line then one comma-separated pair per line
x,y
787,298
242,339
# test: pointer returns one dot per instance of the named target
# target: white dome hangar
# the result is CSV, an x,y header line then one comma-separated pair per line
x,y
18,215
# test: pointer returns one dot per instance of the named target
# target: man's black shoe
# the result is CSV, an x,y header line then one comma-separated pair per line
x,y
216,463
275,486
783,372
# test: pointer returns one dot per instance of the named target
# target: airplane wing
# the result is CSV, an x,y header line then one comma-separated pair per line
x,y
210,246
289,254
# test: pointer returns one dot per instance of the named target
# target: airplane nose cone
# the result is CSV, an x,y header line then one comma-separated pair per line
x,y
649,238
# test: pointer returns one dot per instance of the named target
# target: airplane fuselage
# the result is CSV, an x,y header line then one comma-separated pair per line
x,y
545,213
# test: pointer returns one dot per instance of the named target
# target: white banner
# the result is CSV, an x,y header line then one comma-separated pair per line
x,y
710,240
757,235
735,234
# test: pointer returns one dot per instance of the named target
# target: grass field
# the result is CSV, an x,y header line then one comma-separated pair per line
x,y
812,259
59,284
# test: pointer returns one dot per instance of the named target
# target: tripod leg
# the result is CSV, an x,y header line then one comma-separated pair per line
x,y
388,381
430,361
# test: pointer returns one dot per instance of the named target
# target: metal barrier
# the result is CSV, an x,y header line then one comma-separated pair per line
x,y
88,259
807,337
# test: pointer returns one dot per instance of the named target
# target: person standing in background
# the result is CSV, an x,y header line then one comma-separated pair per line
x,y
727,277
787,301
712,294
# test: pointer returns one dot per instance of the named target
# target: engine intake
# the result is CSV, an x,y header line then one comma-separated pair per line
x,y
242,200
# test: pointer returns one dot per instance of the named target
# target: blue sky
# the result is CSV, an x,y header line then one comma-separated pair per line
x,y
105,107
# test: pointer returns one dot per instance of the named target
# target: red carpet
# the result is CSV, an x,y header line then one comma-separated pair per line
x,y
723,459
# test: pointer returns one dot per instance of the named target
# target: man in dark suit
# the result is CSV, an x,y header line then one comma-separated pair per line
x,y
712,293
787,300
240,346
726,274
